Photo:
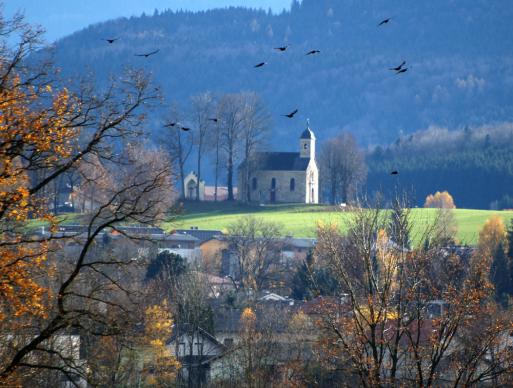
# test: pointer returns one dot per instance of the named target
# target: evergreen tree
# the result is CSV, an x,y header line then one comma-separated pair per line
x,y
166,266
510,256
399,228
310,281
499,274
301,281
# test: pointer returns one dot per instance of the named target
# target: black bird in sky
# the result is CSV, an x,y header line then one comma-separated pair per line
x,y
395,172
313,52
291,114
170,125
386,21
261,64
185,129
398,68
111,40
214,120
402,71
146,55
282,48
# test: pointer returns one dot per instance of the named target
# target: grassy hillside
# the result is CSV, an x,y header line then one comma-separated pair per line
x,y
300,221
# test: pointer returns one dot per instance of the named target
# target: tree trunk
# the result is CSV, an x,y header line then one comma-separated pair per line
x,y
229,168
217,166
182,178
333,193
200,147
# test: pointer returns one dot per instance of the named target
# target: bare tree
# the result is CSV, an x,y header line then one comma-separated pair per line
x,y
254,134
177,143
89,279
202,112
232,120
404,313
46,134
342,167
217,135
194,318
257,246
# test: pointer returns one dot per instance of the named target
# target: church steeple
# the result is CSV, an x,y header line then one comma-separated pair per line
x,y
307,143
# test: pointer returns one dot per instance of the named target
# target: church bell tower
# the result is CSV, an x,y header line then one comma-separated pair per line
x,y
307,143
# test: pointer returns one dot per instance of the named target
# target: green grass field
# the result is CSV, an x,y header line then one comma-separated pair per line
x,y
301,221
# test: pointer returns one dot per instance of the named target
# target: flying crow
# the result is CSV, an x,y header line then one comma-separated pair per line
x,y
291,114
146,55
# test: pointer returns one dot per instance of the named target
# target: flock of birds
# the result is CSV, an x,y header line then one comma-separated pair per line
x,y
400,69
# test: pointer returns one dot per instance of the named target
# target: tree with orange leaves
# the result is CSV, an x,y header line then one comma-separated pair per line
x,y
161,366
493,248
440,200
492,235
45,133
408,316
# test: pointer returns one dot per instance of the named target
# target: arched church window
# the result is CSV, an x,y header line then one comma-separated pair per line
x,y
254,184
292,184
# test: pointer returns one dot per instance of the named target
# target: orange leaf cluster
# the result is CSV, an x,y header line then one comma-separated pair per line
x,y
34,135
440,200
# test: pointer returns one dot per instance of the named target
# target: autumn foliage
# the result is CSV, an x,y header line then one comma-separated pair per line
x,y
161,366
492,235
440,200
48,290
407,315
33,136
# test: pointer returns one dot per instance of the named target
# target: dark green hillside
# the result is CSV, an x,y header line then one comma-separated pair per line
x,y
474,165
459,52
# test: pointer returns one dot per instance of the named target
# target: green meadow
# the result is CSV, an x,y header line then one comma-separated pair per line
x,y
301,221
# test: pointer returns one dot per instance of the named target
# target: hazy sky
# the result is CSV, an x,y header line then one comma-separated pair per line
x,y
62,17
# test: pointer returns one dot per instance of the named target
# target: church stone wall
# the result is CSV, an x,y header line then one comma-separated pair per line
x,y
312,169
283,193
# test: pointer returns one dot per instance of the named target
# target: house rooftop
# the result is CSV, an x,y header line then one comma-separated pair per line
x,y
201,234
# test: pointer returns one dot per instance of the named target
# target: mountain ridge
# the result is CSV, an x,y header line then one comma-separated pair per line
x,y
458,54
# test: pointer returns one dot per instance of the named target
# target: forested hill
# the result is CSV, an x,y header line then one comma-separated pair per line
x,y
459,54
474,164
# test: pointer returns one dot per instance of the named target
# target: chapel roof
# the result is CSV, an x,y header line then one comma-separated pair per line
x,y
307,134
281,161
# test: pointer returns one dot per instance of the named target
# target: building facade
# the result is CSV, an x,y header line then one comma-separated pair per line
x,y
190,185
282,177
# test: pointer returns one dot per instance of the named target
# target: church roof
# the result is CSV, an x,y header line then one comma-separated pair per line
x,y
307,134
281,161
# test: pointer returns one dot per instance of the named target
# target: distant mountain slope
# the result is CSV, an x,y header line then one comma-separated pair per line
x,y
459,53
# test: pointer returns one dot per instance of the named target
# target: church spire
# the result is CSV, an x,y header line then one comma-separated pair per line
x,y
307,143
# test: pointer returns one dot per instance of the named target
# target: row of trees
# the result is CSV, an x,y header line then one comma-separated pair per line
x,y
227,130
384,333
389,305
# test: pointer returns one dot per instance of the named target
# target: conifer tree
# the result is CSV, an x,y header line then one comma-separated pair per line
x,y
499,274
510,256
399,228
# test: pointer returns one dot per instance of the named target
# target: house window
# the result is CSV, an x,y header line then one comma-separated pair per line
x,y
181,349
254,183
199,348
292,184
273,183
